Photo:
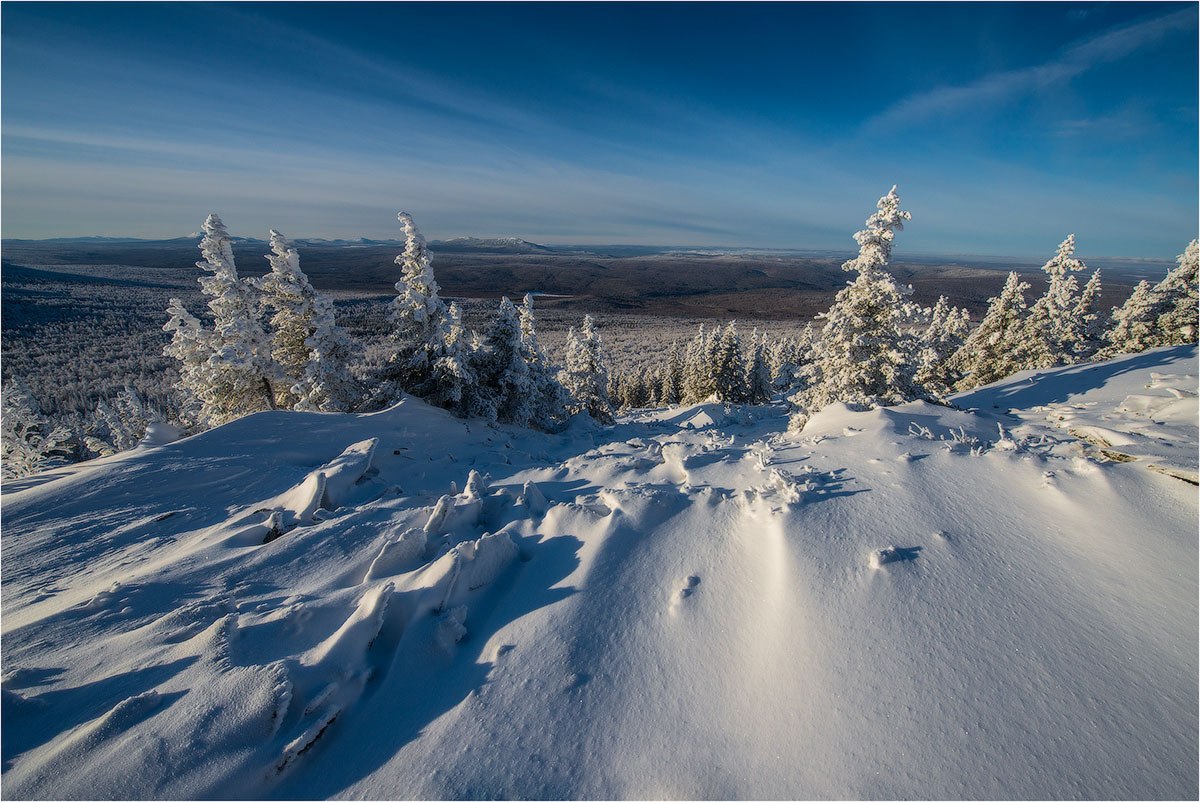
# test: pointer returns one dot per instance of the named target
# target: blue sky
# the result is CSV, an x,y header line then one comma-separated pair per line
x,y
1006,126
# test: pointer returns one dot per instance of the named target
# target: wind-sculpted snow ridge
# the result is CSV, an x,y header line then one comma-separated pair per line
x,y
995,600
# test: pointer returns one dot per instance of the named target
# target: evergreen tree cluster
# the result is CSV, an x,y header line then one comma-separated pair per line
x,y
274,343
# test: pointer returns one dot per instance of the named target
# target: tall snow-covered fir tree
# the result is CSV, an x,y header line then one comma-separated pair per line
x,y
670,377
228,369
585,374
758,372
418,323
1091,320
989,352
311,349
190,346
728,367
866,357
1052,331
502,368
547,398
698,381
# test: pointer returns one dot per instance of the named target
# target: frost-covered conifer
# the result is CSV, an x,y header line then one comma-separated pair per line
x,y
29,443
865,357
1133,323
585,375
1179,298
311,349
1165,314
191,347
1091,321
456,387
989,353
1052,332
698,382
670,389
502,368
548,399
729,368
229,369
942,338
418,317
758,372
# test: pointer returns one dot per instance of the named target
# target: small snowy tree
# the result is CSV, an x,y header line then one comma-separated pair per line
x,y
942,338
1052,332
585,375
866,357
311,349
1090,320
989,352
456,387
29,443
121,424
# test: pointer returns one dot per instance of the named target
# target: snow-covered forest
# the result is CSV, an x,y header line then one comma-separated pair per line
x,y
274,343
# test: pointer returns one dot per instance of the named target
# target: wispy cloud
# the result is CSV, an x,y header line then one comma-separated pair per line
x,y
1077,59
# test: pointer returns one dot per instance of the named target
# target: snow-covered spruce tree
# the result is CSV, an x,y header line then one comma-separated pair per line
x,y
942,338
1179,298
790,359
548,399
1092,319
191,347
1163,314
729,368
758,372
989,352
455,385
29,443
1133,323
670,388
502,368
1052,332
585,375
698,382
311,349
418,330
866,358
237,371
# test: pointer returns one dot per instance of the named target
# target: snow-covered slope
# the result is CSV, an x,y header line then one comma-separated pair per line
x,y
909,602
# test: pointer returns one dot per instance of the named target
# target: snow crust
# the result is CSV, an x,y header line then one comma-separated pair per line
x,y
993,601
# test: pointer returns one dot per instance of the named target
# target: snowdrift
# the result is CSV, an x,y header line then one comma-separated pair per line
x,y
998,600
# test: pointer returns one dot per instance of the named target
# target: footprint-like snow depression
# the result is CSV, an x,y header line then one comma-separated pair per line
x,y
993,601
